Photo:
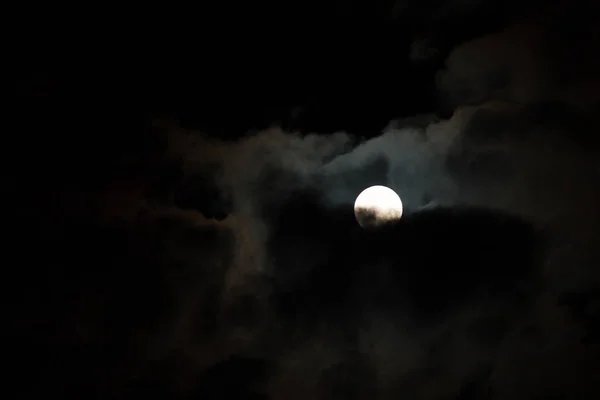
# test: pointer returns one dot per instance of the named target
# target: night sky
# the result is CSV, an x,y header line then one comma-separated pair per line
x,y
179,202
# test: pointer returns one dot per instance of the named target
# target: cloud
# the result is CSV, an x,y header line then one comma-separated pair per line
x,y
528,62
461,298
299,239
488,156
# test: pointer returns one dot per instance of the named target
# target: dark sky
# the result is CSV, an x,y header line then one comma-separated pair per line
x,y
179,196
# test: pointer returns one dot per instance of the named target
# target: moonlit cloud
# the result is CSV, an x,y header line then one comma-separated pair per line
x,y
497,156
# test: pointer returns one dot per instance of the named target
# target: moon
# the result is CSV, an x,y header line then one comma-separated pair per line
x,y
377,205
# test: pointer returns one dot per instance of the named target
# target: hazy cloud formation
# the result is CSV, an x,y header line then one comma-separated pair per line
x,y
445,305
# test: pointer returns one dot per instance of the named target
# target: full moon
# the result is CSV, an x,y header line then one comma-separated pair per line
x,y
377,205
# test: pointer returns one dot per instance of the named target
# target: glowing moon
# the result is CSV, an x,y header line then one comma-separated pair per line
x,y
377,205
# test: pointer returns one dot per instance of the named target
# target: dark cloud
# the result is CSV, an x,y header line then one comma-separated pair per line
x,y
540,59
498,200
241,271
460,299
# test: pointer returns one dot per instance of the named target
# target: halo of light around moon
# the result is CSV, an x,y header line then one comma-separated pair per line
x,y
377,205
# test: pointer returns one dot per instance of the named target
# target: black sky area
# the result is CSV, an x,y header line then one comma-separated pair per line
x,y
179,191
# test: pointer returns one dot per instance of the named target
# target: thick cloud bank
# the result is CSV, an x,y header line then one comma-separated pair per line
x,y
485,288
342,310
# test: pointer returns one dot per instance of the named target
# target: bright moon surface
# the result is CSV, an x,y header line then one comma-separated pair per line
x,y
377,205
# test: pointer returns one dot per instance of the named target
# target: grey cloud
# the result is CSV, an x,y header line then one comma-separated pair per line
x,y
528,62
291,226
423,49
490,156
496,156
